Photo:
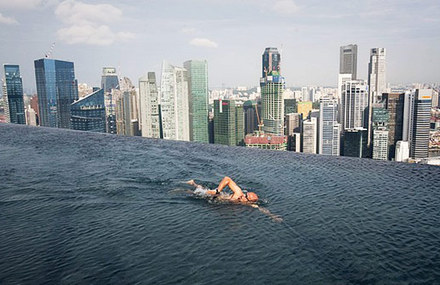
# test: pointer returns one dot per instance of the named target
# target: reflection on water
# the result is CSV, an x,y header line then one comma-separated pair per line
x,y
84,208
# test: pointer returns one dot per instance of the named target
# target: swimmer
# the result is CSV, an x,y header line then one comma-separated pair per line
x,y
238,195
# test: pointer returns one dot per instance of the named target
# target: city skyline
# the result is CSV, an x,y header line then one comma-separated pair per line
x,y
309,36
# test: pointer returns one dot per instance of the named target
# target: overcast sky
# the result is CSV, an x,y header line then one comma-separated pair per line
x,y
136,36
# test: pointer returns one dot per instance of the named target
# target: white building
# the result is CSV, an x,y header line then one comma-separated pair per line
x,y
149,106
174,103
377,73
310,132
354,102
380,144
402,151
329,129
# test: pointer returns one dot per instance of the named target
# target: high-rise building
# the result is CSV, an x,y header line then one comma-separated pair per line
x,y
354,102
293,123
377,73
34,105
88,113
420,126
329,128
271,62
304,108
310,135
408,116
380,121
290,106
355,143
272,87
348,61
402,151
250,109
110,82
31,116
174,103
239,124
127,102
13,94
394,103
57,89
225,122
197,72
149,106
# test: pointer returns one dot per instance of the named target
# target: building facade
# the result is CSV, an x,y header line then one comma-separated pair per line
x,y
329,128
88,113
197,72
57,89
225,122
13,94
174,103
310,135
355,143
110,82
354,103
420,127
394,103
348,60
149,106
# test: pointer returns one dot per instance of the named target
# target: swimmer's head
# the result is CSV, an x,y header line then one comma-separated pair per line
x,y
252,197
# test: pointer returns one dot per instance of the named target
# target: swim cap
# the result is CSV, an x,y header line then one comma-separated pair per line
x,y
252,197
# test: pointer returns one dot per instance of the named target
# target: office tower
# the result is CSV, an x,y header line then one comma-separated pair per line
x,y
272,86
88,113
149,106
294,142
239,125
394,103
251,117
355,143
31,116
354,102
402,151
304,108
197,72
57,89
293,122
420,127
127,122
329,128
34,105
174,103
310,134
225,121
110,82
380,119
348,61
271,62
13,94
377,74
289,106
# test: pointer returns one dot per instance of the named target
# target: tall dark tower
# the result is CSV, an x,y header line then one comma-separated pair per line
x,y
271,62
13,91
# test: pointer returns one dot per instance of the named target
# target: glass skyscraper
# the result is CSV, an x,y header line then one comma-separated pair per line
x,y
149,106
109,82
228,122
88,113
197,73
420,124
329,129
57,89
348,60
13,92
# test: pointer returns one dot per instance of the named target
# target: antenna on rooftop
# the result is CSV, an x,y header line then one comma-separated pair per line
x,y
49,53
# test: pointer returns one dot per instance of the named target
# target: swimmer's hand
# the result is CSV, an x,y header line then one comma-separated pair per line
x,y
254,206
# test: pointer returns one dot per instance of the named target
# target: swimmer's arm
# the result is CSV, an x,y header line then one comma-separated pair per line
x,y
265,211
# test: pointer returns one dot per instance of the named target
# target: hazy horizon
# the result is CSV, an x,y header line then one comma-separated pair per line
x,y
135,37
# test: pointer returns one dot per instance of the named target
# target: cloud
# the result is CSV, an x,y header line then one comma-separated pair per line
x,y
285,7
87,23
25,4
7,20
201,42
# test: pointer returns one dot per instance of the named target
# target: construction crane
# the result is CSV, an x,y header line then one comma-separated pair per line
x,y
49,53
260,122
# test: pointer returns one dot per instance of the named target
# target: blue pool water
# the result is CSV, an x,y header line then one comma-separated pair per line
x,y
85,208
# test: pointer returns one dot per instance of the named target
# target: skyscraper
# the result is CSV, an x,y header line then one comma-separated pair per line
x,y
329,128
354,102
377,74
174,103
394,103
88,113
272,86
380,120
310,134
13,92
110,82
355,143
250,116
197,72
149,106
225,121
57,89
348,60
271,62
420,127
